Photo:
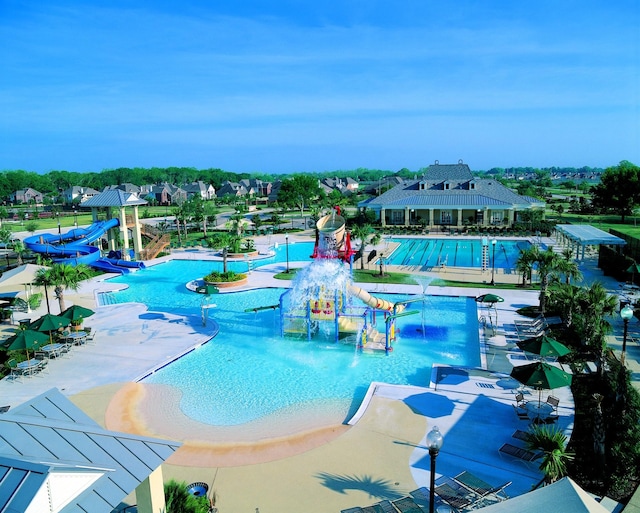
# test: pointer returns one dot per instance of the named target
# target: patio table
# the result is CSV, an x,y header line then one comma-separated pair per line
x,y
538,410
30,366
76,337
53,350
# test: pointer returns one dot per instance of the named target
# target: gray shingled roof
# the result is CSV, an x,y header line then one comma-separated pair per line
x,y
487,192
440,172
114,198
50,436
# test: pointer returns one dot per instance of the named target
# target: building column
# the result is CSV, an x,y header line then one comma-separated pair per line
x,y
431,224
485,217
383,218
150,493
511,217
137,232
124,234
459,223
406,217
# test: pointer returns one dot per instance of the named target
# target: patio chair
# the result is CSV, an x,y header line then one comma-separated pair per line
x,y
519,453
14,371
520,402
554,402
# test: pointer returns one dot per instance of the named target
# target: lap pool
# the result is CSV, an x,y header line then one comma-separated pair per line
x,y
249,376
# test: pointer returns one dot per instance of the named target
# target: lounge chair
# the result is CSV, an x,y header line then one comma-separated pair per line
x,y
518,434
406,505
372,509
518,452
386,507
454,494
4,409
422,498
352,510
481,487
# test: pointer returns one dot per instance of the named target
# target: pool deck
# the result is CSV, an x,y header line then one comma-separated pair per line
x,y
382,455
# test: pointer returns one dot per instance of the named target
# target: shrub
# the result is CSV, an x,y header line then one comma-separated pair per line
x,y
217,276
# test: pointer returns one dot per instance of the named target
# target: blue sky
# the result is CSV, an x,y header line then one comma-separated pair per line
x,y
295,86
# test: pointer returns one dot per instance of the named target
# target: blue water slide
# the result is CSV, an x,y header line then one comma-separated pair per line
x,y
108,266
72,247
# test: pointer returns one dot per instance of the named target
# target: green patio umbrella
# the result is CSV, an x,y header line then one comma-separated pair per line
x,y
25,339
489,298
541,376
633,269
544,346
77,314
49,323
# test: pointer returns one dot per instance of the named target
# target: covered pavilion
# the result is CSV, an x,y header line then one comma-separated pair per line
x,y
583,235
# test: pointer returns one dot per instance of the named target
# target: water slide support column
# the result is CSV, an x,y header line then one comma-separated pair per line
x,y
137,232
124,234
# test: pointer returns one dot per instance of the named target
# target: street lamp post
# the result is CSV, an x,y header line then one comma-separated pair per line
x,y
434,443
493,262
626,313
75,217
286,238
59,229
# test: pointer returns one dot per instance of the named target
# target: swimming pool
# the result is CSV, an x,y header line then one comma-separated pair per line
x,y
248,375
457,252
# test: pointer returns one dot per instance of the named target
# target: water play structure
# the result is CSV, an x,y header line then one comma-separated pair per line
x,y
321,299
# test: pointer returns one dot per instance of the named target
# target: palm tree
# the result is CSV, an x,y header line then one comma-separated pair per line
x,y
222,241
566,299
525,262
595,305
568,267
548,264
66,276
42,279
552,443
20,249
365,234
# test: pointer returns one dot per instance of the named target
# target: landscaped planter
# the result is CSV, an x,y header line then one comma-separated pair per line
x,y
228,284
243,255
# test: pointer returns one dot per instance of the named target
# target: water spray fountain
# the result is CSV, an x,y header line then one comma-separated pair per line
x,y
321,300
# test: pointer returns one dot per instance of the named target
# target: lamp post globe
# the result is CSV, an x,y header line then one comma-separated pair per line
x,y
434,444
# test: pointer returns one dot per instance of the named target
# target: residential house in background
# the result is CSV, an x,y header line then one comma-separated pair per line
x,y
232,189
166,194
345,186
205,190
255,187
449,195
77,194
27,195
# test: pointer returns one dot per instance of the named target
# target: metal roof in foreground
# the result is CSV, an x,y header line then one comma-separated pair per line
x,y
589,235
55,459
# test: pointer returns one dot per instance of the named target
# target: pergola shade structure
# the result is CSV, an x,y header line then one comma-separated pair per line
x,y
582,235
